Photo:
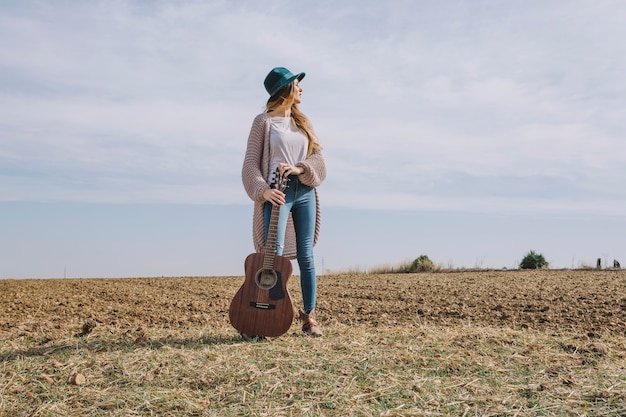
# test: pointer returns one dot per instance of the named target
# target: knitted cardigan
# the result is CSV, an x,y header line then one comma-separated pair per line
x,y
254,174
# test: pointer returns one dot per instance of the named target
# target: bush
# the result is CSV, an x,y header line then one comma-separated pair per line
x,y
422,264
533,260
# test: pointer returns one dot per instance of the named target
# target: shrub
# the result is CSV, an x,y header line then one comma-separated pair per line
x,y
422,264
533,260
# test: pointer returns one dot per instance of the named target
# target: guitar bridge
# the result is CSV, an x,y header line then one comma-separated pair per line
x,y
262,306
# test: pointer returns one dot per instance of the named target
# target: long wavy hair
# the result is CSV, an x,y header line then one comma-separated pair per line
x,y
286,98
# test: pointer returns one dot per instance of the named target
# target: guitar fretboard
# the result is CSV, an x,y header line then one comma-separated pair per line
x,y
270,246
280,183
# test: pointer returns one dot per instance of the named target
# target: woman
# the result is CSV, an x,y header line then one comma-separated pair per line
x,y
282,138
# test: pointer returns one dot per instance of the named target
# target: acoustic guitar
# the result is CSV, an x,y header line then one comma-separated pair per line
x,y
262,307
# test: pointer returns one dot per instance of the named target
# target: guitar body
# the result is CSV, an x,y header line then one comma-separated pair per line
x,y
263,306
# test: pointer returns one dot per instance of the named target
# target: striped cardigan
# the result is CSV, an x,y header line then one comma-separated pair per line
x,y
254,174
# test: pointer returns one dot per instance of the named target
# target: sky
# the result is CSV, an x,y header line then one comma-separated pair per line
x,y
468,131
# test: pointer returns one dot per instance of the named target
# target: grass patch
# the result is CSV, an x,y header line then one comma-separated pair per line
x,y
355,371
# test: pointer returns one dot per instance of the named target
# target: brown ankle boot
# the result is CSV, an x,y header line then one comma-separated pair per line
x,y
309,325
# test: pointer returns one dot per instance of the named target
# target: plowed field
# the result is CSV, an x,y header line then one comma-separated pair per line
x,y
586,302
484,343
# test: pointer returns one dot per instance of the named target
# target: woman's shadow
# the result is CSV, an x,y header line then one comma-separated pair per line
x,y
127,344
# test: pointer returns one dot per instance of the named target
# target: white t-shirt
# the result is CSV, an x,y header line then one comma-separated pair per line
x,y
287,144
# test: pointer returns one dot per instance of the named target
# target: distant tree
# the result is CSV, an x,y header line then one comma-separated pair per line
x,y
533,260
422,264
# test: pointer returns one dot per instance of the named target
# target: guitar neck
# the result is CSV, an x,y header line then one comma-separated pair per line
x,y
270,246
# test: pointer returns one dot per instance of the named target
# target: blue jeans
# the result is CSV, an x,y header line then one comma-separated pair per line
x,y
300,201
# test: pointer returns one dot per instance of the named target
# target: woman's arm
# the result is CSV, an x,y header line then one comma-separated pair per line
x,y
314,169
251,175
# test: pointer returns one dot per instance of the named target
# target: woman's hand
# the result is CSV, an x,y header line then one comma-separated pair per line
x,y
286,170
276,197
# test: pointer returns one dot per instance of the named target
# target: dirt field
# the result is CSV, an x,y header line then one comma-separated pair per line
x,y
586,302
485,343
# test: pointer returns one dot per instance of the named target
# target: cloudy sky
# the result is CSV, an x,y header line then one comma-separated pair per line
x,y
469,131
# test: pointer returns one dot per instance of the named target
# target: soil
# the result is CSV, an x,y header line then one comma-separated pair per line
x,y
589,302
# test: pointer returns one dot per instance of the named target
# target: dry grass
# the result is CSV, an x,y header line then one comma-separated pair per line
x,y
357,369
354,371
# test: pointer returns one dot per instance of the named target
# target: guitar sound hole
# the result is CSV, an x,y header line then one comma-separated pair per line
x,y
266,279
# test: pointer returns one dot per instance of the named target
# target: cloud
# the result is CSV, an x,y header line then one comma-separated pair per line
x,y
455,106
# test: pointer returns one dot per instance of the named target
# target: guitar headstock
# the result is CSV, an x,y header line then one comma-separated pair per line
x,y
280,182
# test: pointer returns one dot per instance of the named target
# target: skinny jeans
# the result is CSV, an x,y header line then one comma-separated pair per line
x,y
301,202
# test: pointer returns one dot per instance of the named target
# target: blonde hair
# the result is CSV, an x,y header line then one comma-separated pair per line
x,y
286,98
